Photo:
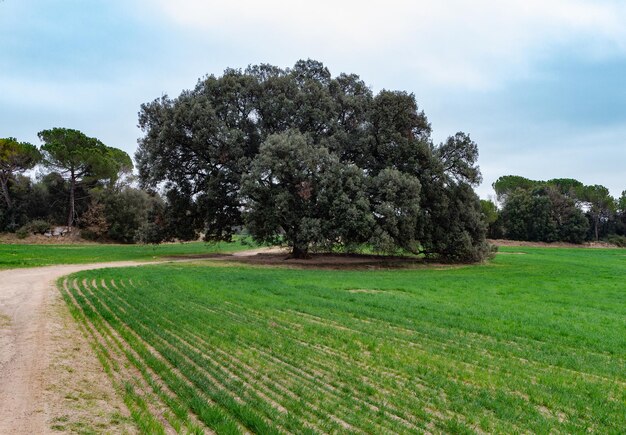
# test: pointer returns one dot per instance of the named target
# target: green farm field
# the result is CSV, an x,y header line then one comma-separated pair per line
x,y
534,341
18,255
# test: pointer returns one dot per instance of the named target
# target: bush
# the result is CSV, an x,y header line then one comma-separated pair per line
x,y
22,232
617,240
94,223
38,226
128,213
88,234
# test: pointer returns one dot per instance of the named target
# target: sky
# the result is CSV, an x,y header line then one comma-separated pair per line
x,y
540,86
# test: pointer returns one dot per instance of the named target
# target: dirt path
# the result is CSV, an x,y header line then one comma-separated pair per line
x,y
267,250
31,331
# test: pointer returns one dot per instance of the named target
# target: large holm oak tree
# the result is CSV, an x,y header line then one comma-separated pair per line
x,y
317,161
79,157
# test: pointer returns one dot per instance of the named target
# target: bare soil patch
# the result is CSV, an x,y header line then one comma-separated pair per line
x,y
40,239
503,242
321,261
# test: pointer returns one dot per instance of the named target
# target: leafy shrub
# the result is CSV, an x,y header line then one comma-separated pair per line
x,y
128,213
38,226
617,240
149,233
22,232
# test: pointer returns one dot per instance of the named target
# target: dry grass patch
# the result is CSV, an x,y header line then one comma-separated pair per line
x,y
79,396
365,290
4,321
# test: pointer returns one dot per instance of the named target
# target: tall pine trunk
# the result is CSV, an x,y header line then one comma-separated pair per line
x,y
70,216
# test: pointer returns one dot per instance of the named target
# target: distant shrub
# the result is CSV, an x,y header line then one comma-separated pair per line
x,y
130,216
88,234
38,226
94,223
22,232
617,240
149,233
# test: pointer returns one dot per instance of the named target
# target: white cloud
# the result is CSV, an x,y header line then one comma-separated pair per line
x,y
590,155
104,109
469,43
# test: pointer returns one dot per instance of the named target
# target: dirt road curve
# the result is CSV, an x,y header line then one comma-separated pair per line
x,y
26,330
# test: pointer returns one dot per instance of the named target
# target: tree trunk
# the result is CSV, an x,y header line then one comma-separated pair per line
x,y
70,216
597,219
5,191
299,252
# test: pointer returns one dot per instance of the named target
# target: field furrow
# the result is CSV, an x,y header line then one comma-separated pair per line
x,y
243,349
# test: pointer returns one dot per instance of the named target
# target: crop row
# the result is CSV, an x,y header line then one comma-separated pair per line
x,y
205,361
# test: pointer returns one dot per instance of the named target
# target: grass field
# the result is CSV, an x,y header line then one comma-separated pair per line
x,y
13,255
533,342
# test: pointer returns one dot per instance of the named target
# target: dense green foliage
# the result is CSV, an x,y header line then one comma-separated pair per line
x,y
561,209
81,182
543,215
121,214
15,158
533,342
492,218
620,221
314,160
45,198
13,255
78,157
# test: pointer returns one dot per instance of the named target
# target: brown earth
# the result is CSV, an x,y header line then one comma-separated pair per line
x,y
503,242
40,239
331,261
279,257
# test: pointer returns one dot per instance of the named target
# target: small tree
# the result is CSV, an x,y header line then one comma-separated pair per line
x,y
620,224
126,211
601,204
491,216
77,156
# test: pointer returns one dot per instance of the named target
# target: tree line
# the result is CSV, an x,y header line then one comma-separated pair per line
x,y
292,156
81,183
561,209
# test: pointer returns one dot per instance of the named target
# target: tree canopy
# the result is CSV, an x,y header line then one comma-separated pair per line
x,y
315,160
561,209
600,204
15,158
79,157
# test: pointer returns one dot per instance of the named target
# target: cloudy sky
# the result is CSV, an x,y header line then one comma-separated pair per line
x,y
539,85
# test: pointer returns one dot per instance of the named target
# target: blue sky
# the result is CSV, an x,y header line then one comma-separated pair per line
x,y
540,86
